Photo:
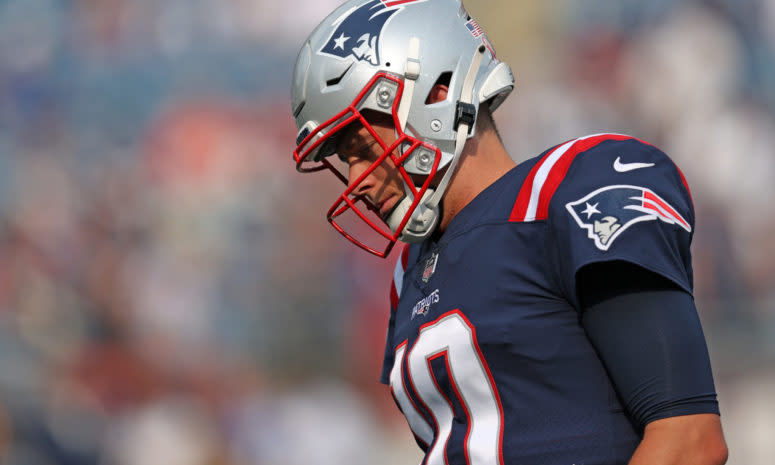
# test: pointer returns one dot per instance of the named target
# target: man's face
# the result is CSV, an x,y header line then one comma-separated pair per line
x,y
356,146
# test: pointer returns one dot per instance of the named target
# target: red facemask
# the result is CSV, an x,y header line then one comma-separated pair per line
x,y
376,231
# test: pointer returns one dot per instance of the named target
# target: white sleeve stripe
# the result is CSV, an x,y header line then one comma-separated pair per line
x,y
543,173
398,277
540,179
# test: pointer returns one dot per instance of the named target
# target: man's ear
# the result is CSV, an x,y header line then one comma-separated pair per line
x,y
437,94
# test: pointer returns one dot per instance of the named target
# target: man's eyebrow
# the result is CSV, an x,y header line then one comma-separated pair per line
x,y
358,148
365,145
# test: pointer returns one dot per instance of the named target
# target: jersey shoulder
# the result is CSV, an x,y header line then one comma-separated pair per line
x,y
611,197
598,167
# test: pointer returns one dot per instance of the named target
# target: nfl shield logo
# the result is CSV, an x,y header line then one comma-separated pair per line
x,y
430,267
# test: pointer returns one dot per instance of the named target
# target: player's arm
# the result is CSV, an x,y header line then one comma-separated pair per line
x,y
686,440
646,330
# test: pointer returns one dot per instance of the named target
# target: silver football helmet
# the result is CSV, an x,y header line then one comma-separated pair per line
x,y
386,56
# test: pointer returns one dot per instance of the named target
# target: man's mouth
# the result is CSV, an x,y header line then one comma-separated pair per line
x,y
384,207
387,206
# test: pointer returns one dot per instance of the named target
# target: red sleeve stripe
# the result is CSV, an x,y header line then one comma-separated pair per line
x,y
546,176
523,199
393,296
398,276
686,184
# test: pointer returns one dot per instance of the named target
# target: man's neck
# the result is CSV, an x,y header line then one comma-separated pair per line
x,y
483,161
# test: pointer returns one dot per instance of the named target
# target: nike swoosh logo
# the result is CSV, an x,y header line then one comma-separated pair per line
x,y
624,167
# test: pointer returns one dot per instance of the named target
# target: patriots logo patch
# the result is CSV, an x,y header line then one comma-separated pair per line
x,y
357,33
607,212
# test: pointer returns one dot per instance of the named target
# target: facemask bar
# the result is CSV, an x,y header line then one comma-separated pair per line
x,y
307,153
348,201
311,139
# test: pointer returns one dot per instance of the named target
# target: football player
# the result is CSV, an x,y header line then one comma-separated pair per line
x,y
541,313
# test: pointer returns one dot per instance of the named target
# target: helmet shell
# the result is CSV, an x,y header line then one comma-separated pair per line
x,y
364,37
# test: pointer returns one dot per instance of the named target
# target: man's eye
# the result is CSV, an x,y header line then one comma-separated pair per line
x,y
364,154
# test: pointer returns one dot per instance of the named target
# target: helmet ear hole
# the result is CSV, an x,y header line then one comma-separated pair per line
x,y
444,79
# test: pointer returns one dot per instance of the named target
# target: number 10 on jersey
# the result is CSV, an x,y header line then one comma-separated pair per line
x,y
452,339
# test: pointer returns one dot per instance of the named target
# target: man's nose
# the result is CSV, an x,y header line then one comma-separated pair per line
x,y
355,173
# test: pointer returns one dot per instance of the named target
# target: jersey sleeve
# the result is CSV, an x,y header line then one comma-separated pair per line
x,y
648,335
395,293
615,198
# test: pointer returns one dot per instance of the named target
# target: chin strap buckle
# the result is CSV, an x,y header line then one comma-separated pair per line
x,y
465,113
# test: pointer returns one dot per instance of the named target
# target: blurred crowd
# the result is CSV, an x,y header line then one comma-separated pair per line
x,y
170,291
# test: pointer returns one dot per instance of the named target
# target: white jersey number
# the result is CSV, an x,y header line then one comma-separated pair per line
x,y
451,336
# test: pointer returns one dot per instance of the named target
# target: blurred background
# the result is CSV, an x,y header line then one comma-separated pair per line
x,y
170,292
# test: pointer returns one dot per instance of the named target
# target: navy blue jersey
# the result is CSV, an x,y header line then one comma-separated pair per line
x,y
486,355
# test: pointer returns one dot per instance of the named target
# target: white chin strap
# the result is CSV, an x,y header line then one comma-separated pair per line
x,y
425,217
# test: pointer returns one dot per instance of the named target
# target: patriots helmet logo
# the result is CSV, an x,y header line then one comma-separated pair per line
x,y
357,33
607,212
